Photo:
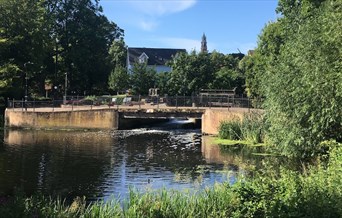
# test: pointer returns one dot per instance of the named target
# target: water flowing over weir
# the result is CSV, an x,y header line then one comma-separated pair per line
x,y
102,164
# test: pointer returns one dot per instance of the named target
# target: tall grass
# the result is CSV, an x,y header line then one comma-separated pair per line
x,y
251,128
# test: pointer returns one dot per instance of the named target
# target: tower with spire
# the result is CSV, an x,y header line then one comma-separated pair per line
x,y
204,48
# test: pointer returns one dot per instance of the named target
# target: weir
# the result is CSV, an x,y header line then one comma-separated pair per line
x,y
113,119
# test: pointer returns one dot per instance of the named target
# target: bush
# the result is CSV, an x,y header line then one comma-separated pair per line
x,y
253,128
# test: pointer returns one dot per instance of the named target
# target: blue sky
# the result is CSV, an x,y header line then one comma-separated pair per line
x,y
228,24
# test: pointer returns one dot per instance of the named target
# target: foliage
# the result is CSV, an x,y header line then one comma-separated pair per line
x,y
162,82
195,71
45,39
142,78
253,127
84,38
118,79
297,68
118,53
23,39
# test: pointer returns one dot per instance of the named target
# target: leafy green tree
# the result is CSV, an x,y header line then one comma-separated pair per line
x,y
142,78
118,53
24,37
195,71
226,72
190,73
227,78
162,82
84,39
118,79
301,78
45,39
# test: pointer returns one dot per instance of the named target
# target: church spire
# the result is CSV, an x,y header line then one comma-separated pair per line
x,y
204,48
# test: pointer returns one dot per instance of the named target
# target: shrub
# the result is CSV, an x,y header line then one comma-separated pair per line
x,y
253,127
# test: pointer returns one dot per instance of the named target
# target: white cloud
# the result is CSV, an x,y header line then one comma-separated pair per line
x,y
147,14
148,25
162,7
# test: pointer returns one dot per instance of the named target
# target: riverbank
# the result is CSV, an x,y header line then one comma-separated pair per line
x,y
315,193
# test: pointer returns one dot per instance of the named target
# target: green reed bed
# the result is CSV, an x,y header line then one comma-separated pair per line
x,y
249,130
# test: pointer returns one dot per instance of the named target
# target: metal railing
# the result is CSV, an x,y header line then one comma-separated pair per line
x,y
80,102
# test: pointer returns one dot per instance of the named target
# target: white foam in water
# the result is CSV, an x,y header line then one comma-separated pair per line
x,y
145,130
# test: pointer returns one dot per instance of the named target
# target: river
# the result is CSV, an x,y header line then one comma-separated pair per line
x,y
104,164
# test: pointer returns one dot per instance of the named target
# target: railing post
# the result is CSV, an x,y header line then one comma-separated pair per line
x,y
184,101
176,101
192,100
197,101
139,102
22,104
233,101
34,105
13,104
209,102
228,102
157,101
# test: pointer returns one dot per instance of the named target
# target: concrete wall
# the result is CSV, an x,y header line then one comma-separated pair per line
x,y
94,119
212,118
105,119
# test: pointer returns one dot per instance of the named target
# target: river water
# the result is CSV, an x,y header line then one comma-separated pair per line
x,y
104,164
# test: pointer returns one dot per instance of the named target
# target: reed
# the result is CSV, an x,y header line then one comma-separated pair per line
x,y
251,128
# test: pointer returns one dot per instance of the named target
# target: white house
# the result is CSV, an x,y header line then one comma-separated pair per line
x,y
155,57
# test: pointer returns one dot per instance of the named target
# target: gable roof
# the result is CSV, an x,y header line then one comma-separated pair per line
x,y
156,56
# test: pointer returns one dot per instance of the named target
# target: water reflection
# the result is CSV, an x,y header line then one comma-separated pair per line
x,y
102,164
58,163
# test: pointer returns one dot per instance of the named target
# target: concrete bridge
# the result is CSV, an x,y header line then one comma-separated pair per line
x,y
112,118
